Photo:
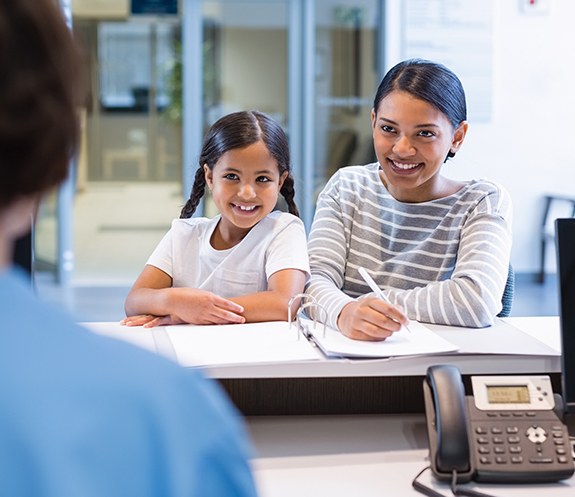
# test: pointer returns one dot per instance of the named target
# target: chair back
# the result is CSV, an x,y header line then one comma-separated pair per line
x,y
507,298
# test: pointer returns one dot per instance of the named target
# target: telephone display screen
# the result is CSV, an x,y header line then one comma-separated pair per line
x,y
507,394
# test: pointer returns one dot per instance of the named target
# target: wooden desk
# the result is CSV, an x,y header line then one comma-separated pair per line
x,y
363,456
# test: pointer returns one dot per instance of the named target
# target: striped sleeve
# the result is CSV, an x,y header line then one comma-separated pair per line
x,y
471,295
327,248
444,261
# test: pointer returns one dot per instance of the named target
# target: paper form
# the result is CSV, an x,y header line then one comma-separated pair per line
x,y
421,341
238,344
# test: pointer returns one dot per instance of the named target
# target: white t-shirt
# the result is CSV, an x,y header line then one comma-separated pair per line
x,y
277,242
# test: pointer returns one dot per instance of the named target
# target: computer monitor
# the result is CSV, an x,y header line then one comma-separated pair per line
x,y
565,247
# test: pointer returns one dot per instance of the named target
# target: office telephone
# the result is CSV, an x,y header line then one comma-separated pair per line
x,y
507,432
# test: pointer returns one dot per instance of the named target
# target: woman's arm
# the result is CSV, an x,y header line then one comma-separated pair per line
x,y
472,296
345,235
327,249
152,295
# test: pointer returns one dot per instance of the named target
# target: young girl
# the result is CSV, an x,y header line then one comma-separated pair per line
x,y
244,264
438,248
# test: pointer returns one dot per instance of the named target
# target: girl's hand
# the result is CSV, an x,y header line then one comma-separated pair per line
x,y
371,319
153,301
149,321
190,305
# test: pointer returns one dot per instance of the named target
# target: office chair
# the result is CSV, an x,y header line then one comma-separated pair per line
x,y
507,298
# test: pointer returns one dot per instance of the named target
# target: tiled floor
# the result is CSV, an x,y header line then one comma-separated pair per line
x,y
535,299
85,303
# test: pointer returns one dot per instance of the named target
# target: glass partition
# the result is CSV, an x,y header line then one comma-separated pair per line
x,y
312,65
346,77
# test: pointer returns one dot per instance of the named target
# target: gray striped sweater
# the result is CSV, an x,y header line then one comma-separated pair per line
x,y
444,261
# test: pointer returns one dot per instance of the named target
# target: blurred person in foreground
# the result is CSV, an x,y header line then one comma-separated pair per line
x,y
83,415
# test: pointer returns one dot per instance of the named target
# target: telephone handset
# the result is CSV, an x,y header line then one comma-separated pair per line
x,y
506,432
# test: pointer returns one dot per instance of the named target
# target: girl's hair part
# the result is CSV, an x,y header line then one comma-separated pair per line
x,y
239,130
429,81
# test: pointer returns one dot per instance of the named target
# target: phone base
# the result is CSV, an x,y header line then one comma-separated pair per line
x,y
569,420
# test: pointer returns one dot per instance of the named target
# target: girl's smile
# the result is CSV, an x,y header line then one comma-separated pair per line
x,y
246,210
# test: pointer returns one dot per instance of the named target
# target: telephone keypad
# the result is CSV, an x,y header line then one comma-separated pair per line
x,y
504,439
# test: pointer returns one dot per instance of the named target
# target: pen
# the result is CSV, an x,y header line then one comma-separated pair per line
x,y
373,285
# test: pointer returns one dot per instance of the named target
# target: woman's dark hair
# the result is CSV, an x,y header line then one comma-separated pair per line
x,y
238,130
428,81
40,93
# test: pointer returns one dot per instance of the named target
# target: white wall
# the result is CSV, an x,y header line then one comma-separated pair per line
x,y
527,145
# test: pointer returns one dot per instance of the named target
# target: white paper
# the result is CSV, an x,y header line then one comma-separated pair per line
x,y
239,344
418,340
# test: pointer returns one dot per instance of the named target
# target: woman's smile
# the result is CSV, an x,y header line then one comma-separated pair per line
x,y
405,168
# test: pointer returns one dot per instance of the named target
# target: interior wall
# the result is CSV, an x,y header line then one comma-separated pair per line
x,y
526,146
244,85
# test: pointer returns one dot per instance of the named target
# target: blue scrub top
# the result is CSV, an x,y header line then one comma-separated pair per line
x,y
83,415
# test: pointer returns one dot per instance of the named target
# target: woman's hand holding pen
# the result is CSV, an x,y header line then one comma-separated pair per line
x,y
370,318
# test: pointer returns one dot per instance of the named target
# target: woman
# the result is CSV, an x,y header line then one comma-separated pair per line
x,y
438,248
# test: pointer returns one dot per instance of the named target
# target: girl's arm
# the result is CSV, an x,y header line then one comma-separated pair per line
x,y
272,305
152,301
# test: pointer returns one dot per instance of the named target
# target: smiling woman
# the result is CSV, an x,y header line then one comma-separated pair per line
x,y
412,140
438,248
246,263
